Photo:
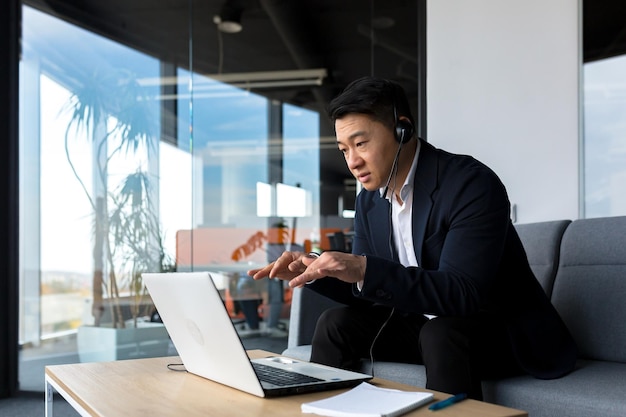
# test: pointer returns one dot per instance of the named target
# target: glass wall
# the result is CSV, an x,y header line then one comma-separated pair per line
x,y
130,164
152,140
93,170
605,137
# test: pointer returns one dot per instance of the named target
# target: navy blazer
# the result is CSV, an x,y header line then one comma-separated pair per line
x,y
471,260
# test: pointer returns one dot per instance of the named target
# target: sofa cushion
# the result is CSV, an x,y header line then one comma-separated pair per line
x,y
595,388
404,373
590,287
542,243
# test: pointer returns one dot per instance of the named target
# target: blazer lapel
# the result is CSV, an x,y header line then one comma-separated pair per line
x,y
379,219
426,178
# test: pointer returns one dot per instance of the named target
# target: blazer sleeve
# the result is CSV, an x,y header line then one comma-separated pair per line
x,y
460,228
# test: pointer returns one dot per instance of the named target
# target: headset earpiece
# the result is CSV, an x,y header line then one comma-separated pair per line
x,y
403,128
403,131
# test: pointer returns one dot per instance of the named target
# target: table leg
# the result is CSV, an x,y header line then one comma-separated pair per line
x,y
49,394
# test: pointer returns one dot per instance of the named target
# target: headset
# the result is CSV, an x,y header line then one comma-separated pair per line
x,y
403,129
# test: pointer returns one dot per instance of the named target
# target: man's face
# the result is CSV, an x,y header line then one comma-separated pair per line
x,y
368,147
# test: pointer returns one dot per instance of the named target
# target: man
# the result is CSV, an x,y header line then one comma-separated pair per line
x,y
432,236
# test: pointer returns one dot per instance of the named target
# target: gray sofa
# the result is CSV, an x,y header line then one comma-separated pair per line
x,y
581,265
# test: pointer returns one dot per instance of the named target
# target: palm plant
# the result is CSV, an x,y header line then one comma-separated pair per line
x,y
115,113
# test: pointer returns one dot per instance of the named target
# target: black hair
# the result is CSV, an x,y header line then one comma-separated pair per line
x,y
375,97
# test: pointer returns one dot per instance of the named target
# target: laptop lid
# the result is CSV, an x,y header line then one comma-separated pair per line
x,y
207,342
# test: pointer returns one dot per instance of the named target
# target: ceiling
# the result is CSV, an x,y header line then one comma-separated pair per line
x,y
604,29
348,38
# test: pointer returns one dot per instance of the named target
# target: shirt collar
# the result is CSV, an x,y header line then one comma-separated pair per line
x,y
410,177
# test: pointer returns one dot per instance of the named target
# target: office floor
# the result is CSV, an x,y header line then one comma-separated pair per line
x,y
31,403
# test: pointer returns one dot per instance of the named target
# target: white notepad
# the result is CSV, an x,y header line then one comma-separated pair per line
x,y
366,400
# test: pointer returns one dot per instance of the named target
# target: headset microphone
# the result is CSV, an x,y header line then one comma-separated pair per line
x,y
394,167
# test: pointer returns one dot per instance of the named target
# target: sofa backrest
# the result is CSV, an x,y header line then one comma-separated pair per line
x,y
542,242
590,286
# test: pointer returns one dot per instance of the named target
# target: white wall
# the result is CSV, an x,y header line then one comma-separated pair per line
x,y
503,86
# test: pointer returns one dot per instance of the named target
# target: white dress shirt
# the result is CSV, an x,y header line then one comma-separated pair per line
x,y
401,217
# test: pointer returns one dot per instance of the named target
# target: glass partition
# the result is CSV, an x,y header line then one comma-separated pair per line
x,y
110,190
92,214
152,149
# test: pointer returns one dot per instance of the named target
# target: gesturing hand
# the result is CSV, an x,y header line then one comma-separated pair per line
x,y
286,267
299,268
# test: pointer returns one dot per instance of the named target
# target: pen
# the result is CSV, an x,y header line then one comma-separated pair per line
x,y
448,401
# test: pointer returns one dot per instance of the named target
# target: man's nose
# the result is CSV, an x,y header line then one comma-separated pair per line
x,y
353,160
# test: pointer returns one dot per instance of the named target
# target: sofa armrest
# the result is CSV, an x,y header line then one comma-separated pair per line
x,y
306,307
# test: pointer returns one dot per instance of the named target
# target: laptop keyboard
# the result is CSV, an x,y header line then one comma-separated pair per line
x,y
281,377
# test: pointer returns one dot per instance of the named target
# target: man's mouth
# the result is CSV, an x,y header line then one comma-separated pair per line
x,y
363,177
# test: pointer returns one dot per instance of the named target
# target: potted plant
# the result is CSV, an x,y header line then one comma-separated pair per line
x,y
116,115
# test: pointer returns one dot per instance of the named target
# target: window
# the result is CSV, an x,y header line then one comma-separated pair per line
x,y
605,137
109,189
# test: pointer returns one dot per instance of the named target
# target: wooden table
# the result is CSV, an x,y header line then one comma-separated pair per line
x,y
146,387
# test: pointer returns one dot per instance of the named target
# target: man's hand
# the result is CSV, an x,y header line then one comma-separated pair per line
x,y
286,267
299,268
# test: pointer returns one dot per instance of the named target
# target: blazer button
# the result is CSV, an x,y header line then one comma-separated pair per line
x,y
382,294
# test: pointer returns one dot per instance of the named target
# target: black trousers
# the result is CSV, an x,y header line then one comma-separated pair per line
x,y
457,352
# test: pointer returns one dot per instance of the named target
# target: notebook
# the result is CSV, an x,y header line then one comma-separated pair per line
x,y
369,401
207,342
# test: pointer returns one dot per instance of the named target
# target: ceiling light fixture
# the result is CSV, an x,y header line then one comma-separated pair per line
x,y
246,80
229,19
268,79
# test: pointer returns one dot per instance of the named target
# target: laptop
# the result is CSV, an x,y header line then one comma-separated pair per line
x,y
207,342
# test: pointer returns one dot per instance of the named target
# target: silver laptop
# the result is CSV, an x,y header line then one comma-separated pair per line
x,y
208,344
